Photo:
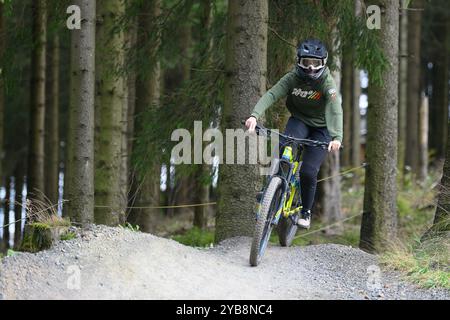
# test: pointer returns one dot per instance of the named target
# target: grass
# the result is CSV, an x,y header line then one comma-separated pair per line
x,y
42,219
68,236
130,227
9,253
195,237
425,263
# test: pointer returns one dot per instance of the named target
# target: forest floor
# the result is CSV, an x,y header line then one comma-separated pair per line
x,y
118,263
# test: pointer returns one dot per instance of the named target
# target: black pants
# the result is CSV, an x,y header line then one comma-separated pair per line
x,y
312,157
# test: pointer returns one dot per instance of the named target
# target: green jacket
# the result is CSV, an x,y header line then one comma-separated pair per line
x,y
316,103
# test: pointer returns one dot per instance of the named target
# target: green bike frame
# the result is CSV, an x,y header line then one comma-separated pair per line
x,y
289,189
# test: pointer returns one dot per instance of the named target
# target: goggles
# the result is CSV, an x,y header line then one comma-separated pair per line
x,y
311,63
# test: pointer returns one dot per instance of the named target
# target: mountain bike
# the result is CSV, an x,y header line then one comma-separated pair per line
x,y
280,199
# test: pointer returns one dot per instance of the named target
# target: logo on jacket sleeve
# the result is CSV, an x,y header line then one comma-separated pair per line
x,y
333,93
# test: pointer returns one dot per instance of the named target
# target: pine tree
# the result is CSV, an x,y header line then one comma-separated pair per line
x,y
347,98
441,223
356,115
2,86
81,135
52,126
35,182
145,188
109,101
440,77
379,223
19,174
202,173
246,65
403,88
329,197
414,89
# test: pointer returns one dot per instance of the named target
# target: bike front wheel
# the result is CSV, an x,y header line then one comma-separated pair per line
x,y
263,228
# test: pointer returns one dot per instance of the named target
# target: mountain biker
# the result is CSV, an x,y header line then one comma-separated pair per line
x,y
316,113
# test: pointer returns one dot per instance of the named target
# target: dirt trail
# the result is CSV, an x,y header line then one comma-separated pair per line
x,y
116,263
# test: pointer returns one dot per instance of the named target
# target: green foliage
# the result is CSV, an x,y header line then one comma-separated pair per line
x,y
425,262
130,227
68,236
365,43
201,97
40,238
37,236
40,231
198,99
403,206
334,22
195,237
15,65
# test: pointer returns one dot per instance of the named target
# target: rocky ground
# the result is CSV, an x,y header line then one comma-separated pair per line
x,y
117,263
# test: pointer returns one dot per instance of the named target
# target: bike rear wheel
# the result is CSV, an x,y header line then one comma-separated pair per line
x,y
263,227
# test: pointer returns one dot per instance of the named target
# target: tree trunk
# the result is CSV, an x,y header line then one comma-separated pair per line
x,y
184,182
356,114
52,127
403,90
74,105
35,183
329,195
245,82
146,185
356,121
125,156
423,138
347,97
6,206
379,222
202,174
131,101
109,101
414,90
440,93
331,204
18,186
441,223
2,87
201,195
81,204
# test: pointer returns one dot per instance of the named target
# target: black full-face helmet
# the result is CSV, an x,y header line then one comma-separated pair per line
x,y
312,57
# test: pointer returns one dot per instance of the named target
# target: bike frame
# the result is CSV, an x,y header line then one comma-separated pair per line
x,y
288,192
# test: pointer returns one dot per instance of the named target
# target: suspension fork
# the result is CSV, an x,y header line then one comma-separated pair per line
x,y
279,211
288,204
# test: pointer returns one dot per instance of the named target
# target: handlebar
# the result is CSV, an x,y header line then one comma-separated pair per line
x,y
306,142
